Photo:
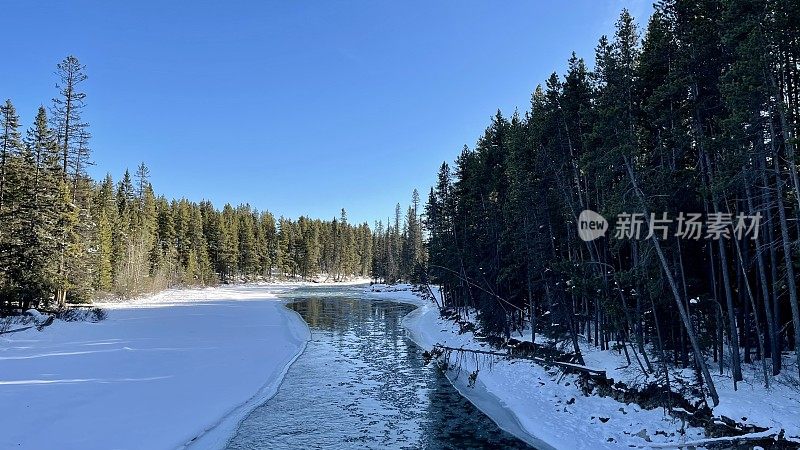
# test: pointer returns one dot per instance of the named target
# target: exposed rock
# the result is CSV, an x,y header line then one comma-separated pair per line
x,y
643,434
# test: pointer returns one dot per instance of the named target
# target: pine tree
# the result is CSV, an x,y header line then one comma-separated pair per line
x,y
284,260
229,243
248,253
204,273
342,247
125,194
10,144
34,218
105,277
10,159
67,109
142,180
267,244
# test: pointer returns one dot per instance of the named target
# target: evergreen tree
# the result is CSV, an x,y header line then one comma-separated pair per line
x,y
67,110
105,276
142,180
10,144
35,210
266,242
248,252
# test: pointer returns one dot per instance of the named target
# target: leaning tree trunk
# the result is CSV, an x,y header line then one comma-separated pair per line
x,y
687,323
773,265
736,364
787,259
762,275
755,313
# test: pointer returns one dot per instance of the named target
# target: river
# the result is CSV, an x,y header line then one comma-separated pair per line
x,y
361,383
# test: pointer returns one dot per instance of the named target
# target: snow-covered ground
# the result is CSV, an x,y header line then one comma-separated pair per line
x,y
551,410
182,368
157,373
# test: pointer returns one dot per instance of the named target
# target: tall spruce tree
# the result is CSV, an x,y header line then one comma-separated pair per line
x,y
10,144
67,109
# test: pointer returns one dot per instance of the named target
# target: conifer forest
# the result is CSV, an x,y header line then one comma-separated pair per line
x,y
65,237
695,111
613,264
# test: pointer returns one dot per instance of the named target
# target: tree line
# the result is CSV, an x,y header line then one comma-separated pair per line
x,y
399,252
697,116
65,237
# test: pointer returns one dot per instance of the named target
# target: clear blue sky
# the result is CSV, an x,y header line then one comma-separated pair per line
x,y
296,107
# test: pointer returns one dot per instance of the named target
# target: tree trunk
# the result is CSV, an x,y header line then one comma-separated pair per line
x,y
698,354
755,313
762,276
787,260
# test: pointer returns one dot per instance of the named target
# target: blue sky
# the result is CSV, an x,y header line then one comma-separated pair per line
x,y
296,107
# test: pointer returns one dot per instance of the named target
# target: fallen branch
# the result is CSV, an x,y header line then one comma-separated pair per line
x,y
17,330
567,366
46,323
763,438
433,296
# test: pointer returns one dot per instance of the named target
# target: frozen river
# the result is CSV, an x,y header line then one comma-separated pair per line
x,y
362,384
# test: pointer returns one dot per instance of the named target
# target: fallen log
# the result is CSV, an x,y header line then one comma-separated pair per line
x,y
567,366
46,323
768,438
17,330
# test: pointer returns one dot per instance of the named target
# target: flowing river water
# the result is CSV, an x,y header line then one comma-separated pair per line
x,y
361,383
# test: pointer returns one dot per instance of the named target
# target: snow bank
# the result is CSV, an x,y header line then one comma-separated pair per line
x,y
157,373
36,315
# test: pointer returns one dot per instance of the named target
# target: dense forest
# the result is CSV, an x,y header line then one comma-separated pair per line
x,y
697,113
67,238
399,252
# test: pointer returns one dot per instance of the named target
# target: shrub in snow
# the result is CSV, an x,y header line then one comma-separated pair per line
x,y
82,315
13,322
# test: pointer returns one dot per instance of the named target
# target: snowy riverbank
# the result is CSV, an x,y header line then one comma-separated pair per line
x,y
182,368
157,373
547,409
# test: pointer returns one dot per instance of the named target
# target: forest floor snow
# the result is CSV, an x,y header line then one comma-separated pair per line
x,y
551,410
157,373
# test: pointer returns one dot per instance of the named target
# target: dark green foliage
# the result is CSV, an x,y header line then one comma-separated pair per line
x,y
693,118
33,215
399,252
65,237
